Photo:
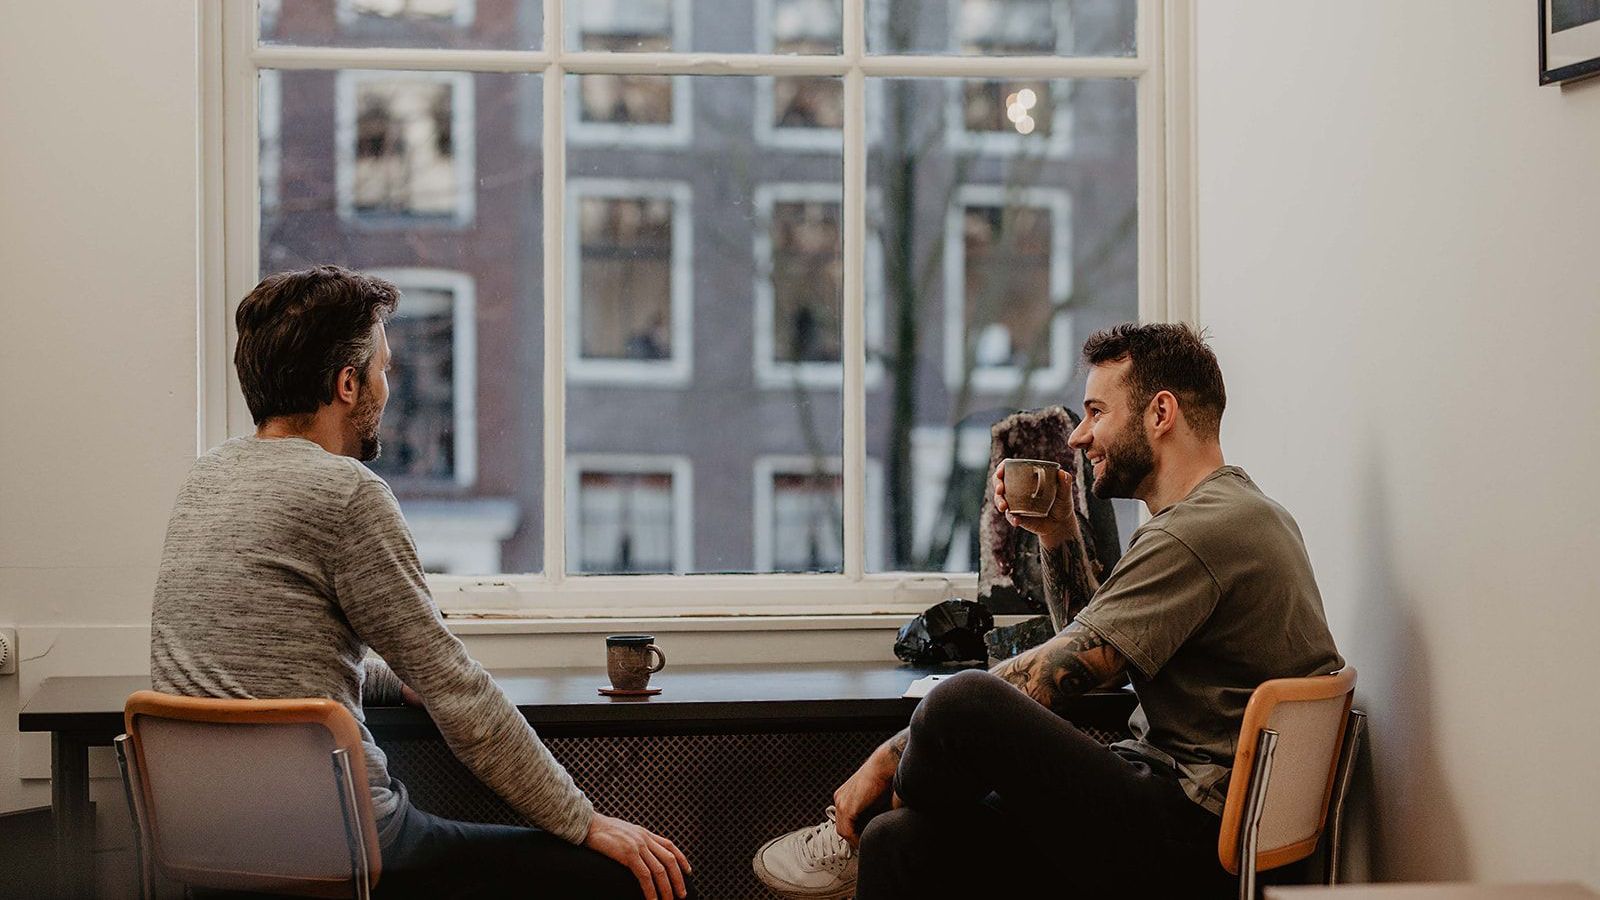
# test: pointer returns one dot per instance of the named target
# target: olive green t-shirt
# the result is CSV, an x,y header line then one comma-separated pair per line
x,y
1214,596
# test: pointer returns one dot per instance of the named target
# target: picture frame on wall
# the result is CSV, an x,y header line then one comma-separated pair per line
x,y
1569,40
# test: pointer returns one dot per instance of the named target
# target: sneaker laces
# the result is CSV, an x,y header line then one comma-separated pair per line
x,y
822,845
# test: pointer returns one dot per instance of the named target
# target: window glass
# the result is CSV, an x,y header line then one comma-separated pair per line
x,y
1004,27
1001,252
675,319
463,453
806,27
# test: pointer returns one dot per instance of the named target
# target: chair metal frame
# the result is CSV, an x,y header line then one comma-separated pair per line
x,y
349,773
1252,798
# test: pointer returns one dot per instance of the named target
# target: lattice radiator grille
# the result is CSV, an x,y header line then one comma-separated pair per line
x,y
717,796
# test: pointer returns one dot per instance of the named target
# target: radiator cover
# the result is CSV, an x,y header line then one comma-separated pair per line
x,y
717,796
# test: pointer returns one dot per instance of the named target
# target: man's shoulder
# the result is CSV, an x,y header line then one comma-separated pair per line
x,y
289,465
1226,510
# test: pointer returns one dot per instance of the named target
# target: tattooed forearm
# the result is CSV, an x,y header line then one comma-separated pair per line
x,y
1069,581
1063,667
896,746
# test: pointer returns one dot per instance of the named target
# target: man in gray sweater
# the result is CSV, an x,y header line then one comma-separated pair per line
x,y
286,559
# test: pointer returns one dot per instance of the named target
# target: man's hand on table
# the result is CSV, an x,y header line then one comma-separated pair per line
x,y
655,861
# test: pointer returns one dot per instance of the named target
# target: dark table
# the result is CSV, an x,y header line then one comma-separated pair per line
x,y
83,712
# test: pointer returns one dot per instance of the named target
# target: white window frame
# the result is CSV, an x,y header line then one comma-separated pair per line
x,y
463,146
677,369
1007,143
676,133
1000,379
1162,71
464,348
678,467
770,373
789,464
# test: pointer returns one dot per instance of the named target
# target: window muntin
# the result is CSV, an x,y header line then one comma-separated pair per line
x,y
1087,154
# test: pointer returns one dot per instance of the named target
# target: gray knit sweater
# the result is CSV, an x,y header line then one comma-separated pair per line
x,y
283,564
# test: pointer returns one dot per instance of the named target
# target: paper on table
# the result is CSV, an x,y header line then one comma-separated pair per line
x,y
923,685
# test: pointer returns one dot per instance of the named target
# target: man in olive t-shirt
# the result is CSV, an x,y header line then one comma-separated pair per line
x,y
991,788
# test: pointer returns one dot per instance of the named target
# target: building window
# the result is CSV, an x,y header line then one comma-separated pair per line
x,y
628,515
800,288
405,145
429,429
799,514
455,12
1009,260
629,288
628,108
1011,115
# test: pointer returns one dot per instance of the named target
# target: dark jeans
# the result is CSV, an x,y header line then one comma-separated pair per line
x,y
432,858
1001,795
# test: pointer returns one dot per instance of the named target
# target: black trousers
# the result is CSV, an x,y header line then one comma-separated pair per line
x,y
1002,797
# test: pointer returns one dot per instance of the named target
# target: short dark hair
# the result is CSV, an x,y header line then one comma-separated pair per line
x,y
299,330
1166,357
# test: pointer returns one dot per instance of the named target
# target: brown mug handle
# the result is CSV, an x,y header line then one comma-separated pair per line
x,y
1038,484
661,658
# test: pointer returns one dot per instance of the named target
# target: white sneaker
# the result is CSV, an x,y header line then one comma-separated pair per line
x,y
814,863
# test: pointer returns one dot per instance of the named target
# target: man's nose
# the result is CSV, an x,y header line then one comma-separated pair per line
x,y
1080,436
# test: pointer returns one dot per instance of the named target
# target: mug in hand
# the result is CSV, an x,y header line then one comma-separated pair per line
x,y
1031,486
628,660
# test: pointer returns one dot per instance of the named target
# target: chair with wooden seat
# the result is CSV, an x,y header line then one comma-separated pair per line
x,y
1296,750
249,795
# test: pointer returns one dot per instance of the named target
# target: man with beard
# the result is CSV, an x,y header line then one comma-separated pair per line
x,y
990,789
286,559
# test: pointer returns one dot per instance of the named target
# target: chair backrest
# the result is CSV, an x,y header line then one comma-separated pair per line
x,y
1309,716
246,794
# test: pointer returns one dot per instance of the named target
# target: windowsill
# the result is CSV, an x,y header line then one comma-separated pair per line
x,y
469,625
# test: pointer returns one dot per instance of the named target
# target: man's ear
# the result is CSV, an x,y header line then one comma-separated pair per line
x,y
347,387
1164,411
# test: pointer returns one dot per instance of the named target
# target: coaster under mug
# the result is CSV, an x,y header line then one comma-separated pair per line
x,y
618,692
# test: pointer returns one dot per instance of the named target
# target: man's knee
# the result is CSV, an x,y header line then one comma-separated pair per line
x,y
888,834
958,700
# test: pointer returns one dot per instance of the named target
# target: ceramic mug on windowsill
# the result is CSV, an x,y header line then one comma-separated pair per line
x,y
629,660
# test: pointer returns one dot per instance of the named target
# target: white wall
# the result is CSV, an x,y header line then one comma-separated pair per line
x,y
1400,259
99,263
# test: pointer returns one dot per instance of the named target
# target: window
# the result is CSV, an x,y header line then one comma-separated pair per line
x,y
1009,255
405,146
631,108
999,115
631,515
429,430
799,514
800,287
628,302
707,306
